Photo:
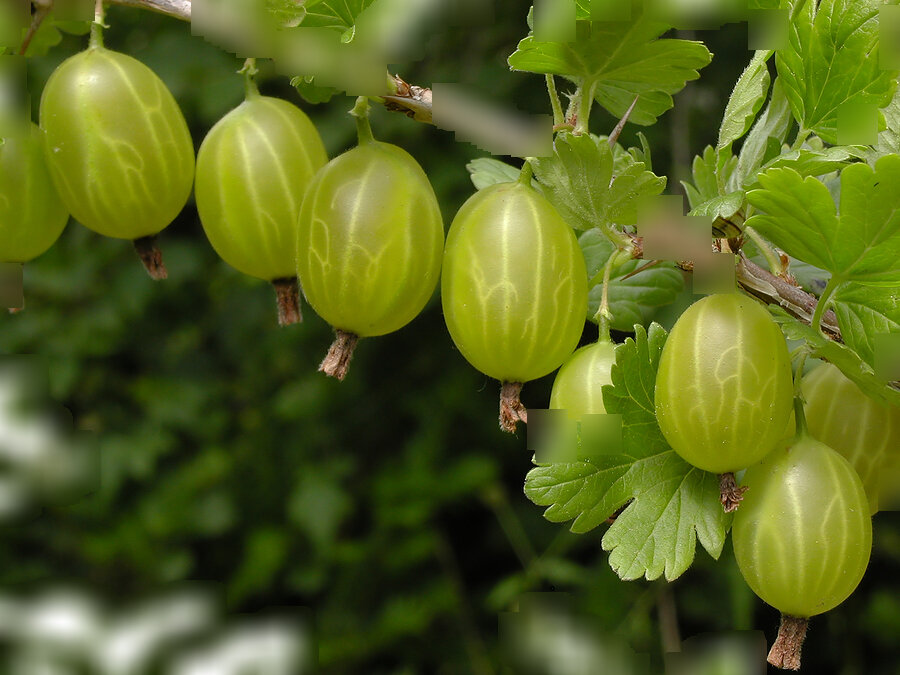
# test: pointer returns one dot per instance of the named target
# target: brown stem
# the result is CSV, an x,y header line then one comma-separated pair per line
x,y
287,294
411,100
668,620
730,493
511,409
41,10
151,256
767,287
337,360
785,652
179,9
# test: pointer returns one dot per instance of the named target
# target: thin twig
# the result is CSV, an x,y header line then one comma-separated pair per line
x,y
179,9
766,286
412,100
668,620
41,10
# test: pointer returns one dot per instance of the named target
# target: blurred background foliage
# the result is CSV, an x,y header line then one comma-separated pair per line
x,y
389,506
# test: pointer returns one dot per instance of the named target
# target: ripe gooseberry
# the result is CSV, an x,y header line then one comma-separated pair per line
x,y
253,169
802,537
724,387
577,391
513,288
578,387
864,431
118,147
32,216
370,239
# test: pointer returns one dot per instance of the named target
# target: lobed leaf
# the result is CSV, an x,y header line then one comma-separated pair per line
x,y
831,60
840,355
814,162
704,171
338,15
668,504
487,171
864,312
619,60
576,179
861,244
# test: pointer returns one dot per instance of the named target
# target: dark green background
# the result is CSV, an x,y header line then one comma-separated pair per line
x,y
390,505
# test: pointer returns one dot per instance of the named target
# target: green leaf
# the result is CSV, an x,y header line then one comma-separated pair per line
x,y
745,101
863,244
286,13
312,92
486,171
832,60
840,355
339,15
705,169
864,312
720,210
771,128
635,299
725,206
889,138
617,61
576,179
816,162
669,505
630,189
596,249
45,38
632,300
643,154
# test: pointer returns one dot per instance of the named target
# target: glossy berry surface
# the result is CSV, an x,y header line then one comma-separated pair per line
x,y
864,431
724,384
253,169
514,283
117,144
32,216
370,239
578,387
802,535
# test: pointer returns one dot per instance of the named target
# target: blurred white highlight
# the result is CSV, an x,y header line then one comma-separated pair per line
x,y
64,631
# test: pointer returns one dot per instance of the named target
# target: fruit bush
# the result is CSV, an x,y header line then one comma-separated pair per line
x,y
729,372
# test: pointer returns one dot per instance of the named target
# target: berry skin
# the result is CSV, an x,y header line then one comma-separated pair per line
x,y
802,536
864,431
116,143
579,383
724,385
32,217
514,284
253,169
370,240
513,289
